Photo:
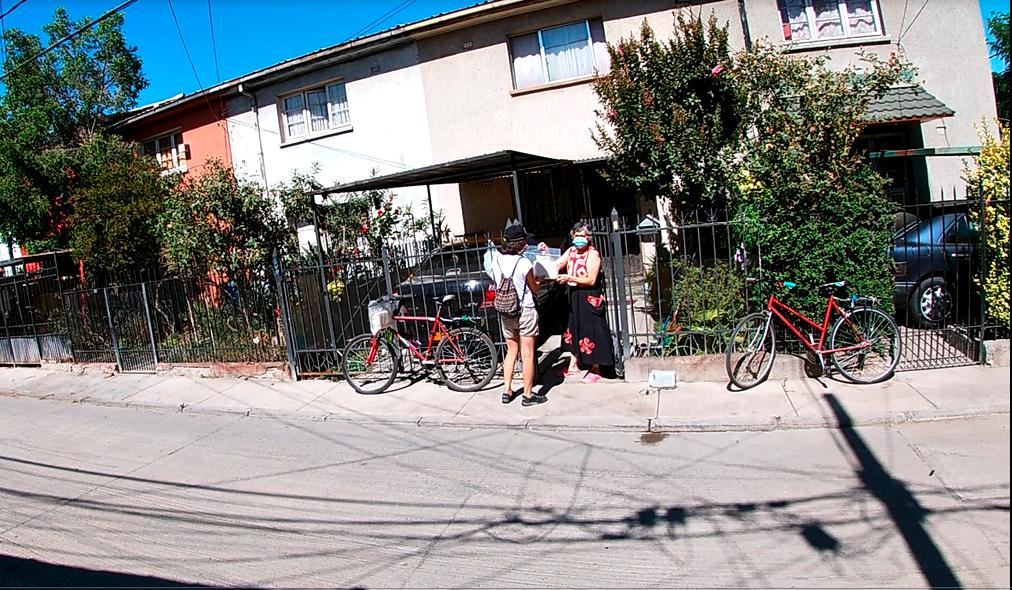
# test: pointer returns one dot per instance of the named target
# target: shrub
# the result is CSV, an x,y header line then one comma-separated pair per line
x,y
990,179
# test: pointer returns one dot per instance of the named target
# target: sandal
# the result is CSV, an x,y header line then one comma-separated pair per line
x,y
508,396
534,400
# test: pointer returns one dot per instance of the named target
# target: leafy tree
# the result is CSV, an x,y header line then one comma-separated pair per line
x,y
670,118
116,201
991,175
998,31
52,106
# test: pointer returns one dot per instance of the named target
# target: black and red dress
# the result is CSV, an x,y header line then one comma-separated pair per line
x,y
587,336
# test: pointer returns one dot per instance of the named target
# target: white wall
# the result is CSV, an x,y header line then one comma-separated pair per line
x,y
389,131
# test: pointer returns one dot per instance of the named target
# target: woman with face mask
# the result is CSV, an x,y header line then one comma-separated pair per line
x,y
587,337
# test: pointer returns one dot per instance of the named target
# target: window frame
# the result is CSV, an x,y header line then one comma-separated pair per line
x,y
546,81
177,162
844,12
331,108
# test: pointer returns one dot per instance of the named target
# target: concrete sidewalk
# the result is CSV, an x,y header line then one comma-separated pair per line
x,y
615,405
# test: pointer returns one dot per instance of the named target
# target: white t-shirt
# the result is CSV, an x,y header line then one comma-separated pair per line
x,y
502,266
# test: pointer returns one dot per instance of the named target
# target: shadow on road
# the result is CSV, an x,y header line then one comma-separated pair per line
x,y
30,573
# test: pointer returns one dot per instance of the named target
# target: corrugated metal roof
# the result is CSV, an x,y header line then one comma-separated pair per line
x,y
907,103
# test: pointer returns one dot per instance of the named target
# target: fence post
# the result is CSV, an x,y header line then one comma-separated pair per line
x,y
982,237
10,341
386,270
618,274
112,328
286,329
151,330
324,296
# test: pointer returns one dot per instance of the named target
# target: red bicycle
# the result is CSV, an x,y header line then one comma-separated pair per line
x,y
864,344
462,355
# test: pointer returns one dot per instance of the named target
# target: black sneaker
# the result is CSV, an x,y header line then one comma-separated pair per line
x,y
534,400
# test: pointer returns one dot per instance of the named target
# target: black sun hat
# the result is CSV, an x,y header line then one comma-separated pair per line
x,y
515,233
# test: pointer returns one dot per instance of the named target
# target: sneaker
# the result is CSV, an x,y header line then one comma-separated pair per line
x,y
534,400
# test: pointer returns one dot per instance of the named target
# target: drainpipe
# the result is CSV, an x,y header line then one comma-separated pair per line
x,y
256,123
744,25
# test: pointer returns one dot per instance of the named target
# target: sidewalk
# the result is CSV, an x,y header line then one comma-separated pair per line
x,y
616,405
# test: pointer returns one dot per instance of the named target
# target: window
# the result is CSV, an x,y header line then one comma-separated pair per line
x,y
813,20
315,111
559,53
169,150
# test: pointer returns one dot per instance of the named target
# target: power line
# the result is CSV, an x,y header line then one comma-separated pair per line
x,y
214,47
183,41
383,18
13,8
68,37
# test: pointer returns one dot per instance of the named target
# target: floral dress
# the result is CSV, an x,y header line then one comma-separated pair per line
x,y
587,336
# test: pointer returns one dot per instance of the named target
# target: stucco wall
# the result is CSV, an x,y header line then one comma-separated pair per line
x,y
473,108
389,129
204,130
946,44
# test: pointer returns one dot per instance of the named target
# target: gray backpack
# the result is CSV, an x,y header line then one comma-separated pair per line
x,y
507,302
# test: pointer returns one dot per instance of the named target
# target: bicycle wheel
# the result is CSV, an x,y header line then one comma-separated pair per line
x,y
874,363
369,364
466,360
751,350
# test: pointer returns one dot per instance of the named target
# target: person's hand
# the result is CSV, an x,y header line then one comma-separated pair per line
x,y
542,247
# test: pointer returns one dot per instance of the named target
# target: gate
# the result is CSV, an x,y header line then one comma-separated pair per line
x,y
30,313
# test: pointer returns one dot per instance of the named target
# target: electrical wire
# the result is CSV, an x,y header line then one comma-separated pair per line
x,y
383,18
68,37
912,21
183,41
13,8
214,46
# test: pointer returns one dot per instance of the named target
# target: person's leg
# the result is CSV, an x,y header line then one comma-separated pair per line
x,y
509,365
527,355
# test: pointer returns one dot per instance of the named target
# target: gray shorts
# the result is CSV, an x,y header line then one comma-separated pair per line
x,y
526,324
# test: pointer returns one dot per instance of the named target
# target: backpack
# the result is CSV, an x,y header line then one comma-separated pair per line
x,y
507,302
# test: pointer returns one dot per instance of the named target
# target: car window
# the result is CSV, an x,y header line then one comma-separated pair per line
x,y
961,232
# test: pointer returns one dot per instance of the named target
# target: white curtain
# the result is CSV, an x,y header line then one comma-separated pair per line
x,y
568,52
318,117
827,19
338,100
527,66
794,18
861,17
294,119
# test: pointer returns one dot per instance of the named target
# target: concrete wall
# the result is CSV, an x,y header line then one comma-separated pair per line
x,y
947,45
204,129
389,130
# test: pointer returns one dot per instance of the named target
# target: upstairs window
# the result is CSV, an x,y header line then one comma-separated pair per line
x,y
814,20
558,53
169,150
315,111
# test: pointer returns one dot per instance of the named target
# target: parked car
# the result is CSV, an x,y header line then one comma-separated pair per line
x,y
460,273
936,260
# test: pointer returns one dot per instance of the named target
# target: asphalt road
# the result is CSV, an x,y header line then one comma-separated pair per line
x,y
124,497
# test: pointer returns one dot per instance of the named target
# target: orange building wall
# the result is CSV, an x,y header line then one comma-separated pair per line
x,y
203,127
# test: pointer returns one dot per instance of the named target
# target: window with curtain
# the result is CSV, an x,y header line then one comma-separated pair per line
x,y
166,150
315,111
812,20
557,53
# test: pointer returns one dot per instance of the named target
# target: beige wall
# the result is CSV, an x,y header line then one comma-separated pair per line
x,y
946,44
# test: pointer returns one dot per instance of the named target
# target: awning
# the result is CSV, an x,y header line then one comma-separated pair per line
x,y
468,169
906,103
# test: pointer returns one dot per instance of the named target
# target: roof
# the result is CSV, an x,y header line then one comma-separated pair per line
x,y
468,169
906,103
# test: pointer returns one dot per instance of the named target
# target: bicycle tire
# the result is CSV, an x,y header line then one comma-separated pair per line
x,y
480,359
356,366
751,350
880,359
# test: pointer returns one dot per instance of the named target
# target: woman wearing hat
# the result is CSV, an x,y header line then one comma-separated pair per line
x,y
520,325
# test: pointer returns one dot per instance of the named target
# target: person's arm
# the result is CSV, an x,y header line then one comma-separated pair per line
x,y
532,281
593,267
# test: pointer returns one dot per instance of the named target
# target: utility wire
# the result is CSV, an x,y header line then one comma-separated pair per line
x,y
68,37
183,41
912,21
214,47
13,8
383,18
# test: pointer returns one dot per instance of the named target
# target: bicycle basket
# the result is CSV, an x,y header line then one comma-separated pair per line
x,y
381,314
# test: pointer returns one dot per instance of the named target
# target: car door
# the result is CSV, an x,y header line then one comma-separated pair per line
x,y
961,251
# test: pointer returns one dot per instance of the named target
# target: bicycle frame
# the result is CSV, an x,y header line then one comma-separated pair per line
x,y
437,333
782,311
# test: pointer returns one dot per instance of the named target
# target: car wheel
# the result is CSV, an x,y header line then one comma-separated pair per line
x,y
931,304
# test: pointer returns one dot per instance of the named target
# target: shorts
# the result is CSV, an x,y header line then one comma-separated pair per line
x,y
526,324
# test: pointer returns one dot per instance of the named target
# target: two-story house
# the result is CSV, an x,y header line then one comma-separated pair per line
x,y
422,105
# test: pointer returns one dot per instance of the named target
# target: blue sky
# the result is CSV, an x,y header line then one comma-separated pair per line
x,y
248,34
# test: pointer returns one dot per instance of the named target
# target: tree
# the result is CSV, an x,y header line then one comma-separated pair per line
x,y
669,118
54,105
998,31
116,201
991,176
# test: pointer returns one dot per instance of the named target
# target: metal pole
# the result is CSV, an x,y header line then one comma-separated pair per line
x,y
112,329
286,328
432,217
386,271
620,291
7,331
982,236
151,330
516,197
323,277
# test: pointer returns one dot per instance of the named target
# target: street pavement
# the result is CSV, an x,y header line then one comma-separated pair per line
x,y
573,405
